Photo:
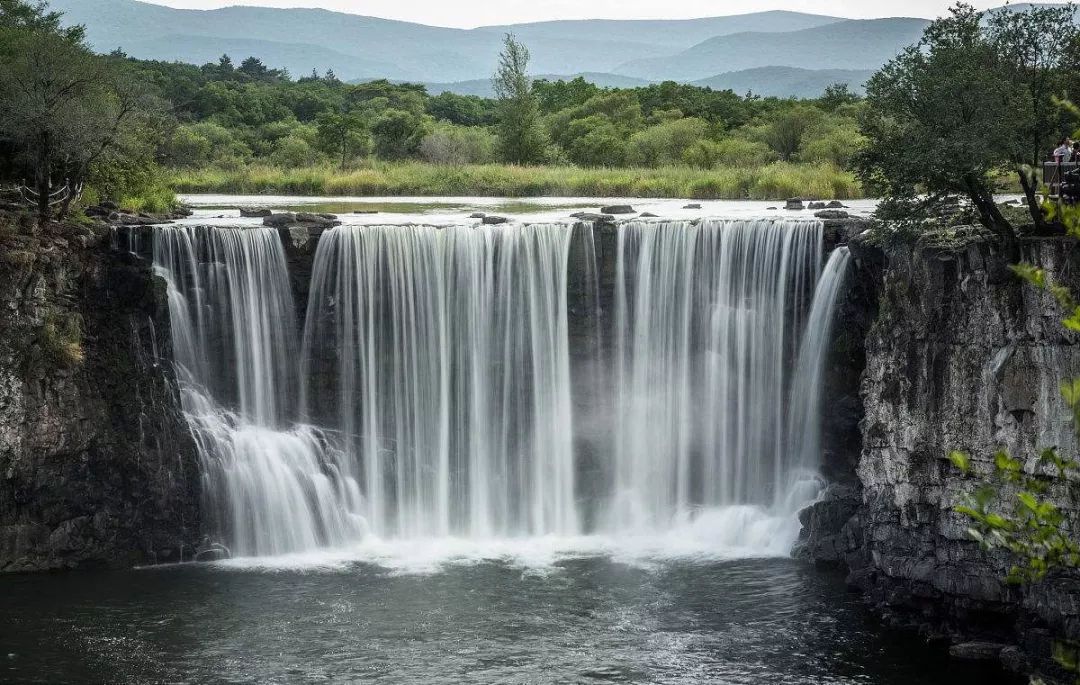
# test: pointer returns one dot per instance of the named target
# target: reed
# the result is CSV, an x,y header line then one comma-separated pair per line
x,y
774,181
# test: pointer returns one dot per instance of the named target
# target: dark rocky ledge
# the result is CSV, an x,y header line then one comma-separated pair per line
x,y
97,465
959,354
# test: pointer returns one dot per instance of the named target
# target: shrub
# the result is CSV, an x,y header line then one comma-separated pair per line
x,y
457,145
665,143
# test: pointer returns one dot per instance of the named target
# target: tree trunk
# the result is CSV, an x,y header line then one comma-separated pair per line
x,y
991,217
1027,182
42,180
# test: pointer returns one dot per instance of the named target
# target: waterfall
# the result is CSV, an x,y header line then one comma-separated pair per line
x,y
441,355
804,421
430,392
267,490
707,321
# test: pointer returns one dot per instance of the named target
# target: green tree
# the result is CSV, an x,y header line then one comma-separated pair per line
x,y
397,133
342,135
35,16
61,107
521,136
666,143
940,120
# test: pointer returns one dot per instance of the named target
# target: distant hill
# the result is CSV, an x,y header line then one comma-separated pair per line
x,y
784,82
675,33
787,82
761,51
852,44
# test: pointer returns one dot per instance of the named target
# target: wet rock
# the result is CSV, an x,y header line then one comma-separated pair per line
x,y
692,205
647,215
835,204
477,215
495,220
302,219
771,208
255,212
280,220
99,466
596,218
1014,660
832,214
794,204
976,651
617,209
816,205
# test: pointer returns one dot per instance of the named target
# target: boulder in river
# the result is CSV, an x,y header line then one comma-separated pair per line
x,y
832,214
255,212
976,651
795,204
692,205
495,220
835,204
303,219
617,209
477,215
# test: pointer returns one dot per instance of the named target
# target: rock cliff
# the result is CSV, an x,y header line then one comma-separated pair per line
x,y
97,465
959,354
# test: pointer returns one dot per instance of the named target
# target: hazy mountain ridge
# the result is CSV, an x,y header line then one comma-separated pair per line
x,y
771,53
765,81
851,44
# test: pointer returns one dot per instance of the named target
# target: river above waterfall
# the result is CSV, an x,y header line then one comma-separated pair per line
x,y
579,620
224,209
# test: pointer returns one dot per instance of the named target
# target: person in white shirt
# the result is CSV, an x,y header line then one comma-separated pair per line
x,y
1063,152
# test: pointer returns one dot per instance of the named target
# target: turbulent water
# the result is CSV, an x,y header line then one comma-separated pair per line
x,y
430,391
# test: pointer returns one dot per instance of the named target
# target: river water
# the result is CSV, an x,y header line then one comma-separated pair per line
x,y
581,620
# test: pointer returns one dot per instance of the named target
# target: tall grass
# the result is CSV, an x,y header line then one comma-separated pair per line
x,y
774,181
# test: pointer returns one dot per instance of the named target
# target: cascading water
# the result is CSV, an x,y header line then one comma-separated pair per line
x,y
436,364
267,490
804,417
445,351
707,319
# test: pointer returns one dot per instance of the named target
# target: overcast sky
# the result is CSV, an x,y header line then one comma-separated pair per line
x,y
469,13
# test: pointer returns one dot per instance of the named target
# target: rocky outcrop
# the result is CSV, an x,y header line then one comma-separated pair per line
x,y
97,465
961,354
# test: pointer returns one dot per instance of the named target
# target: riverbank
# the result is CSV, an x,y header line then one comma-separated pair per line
x,y
776,181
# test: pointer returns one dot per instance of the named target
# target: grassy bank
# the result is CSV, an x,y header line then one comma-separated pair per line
x,y
770,182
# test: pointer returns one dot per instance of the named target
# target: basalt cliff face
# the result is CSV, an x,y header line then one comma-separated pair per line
x,y
958,354
97,465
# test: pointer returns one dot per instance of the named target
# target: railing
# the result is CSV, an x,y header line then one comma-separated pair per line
x,y
66,193
1054,174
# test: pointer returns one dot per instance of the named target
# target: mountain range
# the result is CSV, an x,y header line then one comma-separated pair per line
x,y
770,53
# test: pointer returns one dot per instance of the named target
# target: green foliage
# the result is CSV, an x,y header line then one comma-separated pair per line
x,y
342,135
397,133
458,145
667,142
971,99
521,136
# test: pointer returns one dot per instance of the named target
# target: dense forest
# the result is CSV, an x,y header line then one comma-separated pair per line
x,y
954,114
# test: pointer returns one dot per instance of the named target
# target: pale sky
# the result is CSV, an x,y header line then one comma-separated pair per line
x,y
470,13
